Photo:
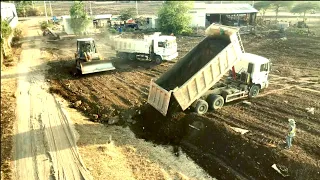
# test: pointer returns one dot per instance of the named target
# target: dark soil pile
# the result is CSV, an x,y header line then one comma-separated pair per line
x,y
248,159
196,59
153,126
223,153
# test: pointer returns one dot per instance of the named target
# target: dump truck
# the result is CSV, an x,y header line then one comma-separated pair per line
x,y
87,58
194,81
154,48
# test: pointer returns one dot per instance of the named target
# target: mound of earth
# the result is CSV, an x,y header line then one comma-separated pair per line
x,y
221,151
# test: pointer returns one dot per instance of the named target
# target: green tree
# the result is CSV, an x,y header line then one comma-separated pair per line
x,y
23,7
6,30
79,17
173,17
305,7
279,4
127,14
262,6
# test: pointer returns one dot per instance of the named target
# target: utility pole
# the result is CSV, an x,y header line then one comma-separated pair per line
x,y
45,10
50,8
137,7
220,14
90,9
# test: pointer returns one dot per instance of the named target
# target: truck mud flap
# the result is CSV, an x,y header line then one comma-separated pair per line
x,y
96,66
159,98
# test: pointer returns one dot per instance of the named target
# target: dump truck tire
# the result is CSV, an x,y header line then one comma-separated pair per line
x,y
158,60
254,91
215,101
201,107
123,56
132,57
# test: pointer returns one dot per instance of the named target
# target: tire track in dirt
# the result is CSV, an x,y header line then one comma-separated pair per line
x,y
32,160
114,102
139,93
146,74
122,92
308,121
304,131
251,122
95,85
305,125
255,135
306,128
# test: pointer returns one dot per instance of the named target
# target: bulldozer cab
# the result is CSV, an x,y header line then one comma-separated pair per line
x,y
86,46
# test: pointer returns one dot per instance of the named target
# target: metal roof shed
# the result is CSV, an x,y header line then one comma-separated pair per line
x,y
102,16
230,9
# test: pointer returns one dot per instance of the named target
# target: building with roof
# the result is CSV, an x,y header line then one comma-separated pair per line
x,y
227,14
101,20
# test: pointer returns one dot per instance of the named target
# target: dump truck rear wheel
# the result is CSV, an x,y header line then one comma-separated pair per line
x,y
132,57
123,56
201,107
215,101
254,91
158,60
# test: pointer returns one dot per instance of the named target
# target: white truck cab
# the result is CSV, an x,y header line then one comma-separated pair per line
x,y
257,66
166,47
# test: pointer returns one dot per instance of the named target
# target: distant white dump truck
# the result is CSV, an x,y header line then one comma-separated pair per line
x,y
193,80
151,48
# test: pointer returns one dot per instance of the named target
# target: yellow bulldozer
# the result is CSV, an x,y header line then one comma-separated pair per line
x,y
88,59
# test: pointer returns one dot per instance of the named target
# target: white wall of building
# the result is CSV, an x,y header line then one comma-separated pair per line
x,y
9,12
198,18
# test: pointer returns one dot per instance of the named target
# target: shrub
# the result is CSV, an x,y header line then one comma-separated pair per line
x,y
44,25
112,31
187,32
129,29
5,29
33,12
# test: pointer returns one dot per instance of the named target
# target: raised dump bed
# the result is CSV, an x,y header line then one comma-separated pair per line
x,y
198,70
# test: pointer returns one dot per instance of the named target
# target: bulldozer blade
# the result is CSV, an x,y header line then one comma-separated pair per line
x,y
96,66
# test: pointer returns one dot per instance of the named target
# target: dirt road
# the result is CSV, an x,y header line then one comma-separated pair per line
x,y
44,139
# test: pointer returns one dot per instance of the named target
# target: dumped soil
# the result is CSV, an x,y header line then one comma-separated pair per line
x,y
243,155
198,57
218,149
152,125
